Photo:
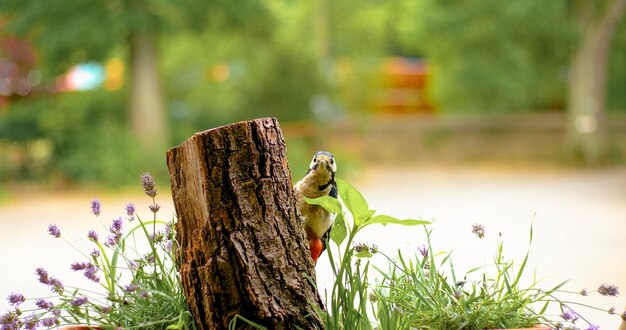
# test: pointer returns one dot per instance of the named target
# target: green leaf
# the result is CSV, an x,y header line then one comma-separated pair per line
x,y
329,203
386,219
339,231
354,201
364,254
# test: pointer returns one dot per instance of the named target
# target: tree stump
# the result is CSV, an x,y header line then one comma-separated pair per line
x,y
242,249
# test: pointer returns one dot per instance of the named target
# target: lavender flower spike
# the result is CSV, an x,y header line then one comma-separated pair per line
x,y
80,265
44,304
570,315
43,276
593,327
478,230
90,273
54,231
79,301
15,299
116,227
148,184
96,206
92,235
95,253
130,209
154,208
56,285
608,290
423,250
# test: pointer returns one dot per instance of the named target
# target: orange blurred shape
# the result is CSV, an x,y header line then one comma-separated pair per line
x,y
220,72
114,69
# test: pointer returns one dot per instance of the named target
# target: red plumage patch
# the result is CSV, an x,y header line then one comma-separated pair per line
x,y
315,246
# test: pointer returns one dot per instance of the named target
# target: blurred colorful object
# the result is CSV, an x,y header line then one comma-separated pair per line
x,y
17,77
83,76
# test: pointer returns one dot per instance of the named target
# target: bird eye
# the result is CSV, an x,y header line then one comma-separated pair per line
x,y
332,160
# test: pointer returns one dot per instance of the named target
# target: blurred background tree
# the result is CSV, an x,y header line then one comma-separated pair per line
x,y
190,65
587,126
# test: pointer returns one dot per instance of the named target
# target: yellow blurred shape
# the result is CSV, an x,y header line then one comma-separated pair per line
x,y
114,69
220,72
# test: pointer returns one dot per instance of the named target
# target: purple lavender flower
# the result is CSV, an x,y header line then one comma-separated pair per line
x,y
478,230
116,227
168,245
361,247
56,285
43,275
80,265
157,237
92,235
148,185
113,240
570,315
423,250
90,273
96,206
154,208
169,229
131,288
9,321
54,231
133,265
144,294
15,299
608,290
130,209
584,292
593,327
31,322
612,310
44,304
48,322
79,301
95,253
106,309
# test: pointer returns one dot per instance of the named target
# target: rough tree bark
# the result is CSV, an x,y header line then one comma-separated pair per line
x,y
242,248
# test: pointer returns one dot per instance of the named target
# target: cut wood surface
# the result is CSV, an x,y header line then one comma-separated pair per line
x,y
242,248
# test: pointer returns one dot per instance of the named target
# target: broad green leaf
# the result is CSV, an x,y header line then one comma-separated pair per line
x,y
338,232
386,219
354,201
329,203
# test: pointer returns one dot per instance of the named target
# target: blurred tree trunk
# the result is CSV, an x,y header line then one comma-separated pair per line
x,y
587,127
242,247
147,118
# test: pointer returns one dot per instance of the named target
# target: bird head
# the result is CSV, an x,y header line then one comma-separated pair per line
x,y
323,161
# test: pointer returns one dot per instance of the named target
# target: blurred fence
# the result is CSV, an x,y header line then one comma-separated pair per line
x,y
410,139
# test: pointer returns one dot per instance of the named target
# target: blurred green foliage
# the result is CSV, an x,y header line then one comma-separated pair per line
x,y
490,55
616,84
223,61
88,132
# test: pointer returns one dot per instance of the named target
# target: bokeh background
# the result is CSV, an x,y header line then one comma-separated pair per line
x,y
502,113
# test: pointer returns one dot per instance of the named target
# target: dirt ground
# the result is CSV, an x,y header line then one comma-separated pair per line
x,y
578,218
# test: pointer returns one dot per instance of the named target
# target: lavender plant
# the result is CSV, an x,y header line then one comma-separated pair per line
x,y
136,284
424,292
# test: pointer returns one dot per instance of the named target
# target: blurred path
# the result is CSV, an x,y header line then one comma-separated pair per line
x,y
579,220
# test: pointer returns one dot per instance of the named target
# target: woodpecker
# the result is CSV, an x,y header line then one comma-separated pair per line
x,y
318,181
